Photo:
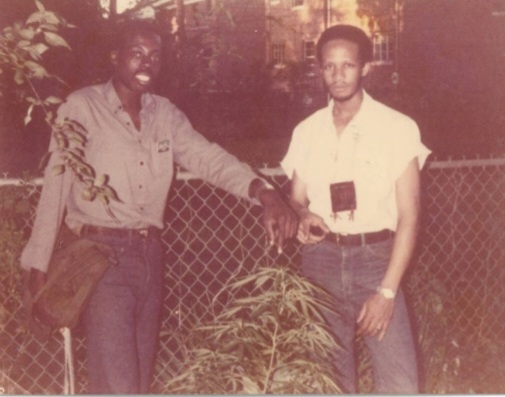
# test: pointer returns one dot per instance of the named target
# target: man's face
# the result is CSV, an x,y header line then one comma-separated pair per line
x,y
343,70
137,64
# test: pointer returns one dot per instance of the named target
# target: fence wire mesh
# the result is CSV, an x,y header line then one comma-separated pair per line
x,y
456,284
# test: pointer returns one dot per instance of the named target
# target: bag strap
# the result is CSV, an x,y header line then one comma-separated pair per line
x,y
68,372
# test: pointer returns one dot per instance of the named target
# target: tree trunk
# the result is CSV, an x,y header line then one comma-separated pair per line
x,y
113,10
181,20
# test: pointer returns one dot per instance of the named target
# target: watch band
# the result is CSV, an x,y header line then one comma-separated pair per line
x,y
387,293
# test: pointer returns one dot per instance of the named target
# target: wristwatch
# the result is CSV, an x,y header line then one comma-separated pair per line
x,y
387,293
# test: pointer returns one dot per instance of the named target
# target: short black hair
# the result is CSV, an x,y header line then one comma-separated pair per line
x,y
350,33
128,29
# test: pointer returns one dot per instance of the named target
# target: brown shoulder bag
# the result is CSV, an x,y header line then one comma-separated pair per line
x,y
76,265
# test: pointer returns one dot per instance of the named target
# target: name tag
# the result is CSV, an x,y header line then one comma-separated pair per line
x,y
163,146
343,196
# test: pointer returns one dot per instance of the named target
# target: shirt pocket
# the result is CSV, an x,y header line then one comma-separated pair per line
x,y
161,155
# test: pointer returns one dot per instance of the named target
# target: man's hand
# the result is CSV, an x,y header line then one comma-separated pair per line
x,y
375,315
312,228
279,219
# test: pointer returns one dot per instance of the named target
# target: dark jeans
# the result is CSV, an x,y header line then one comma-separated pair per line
x,y
351,275
123,316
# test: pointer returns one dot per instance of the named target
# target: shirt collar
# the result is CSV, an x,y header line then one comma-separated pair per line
x,y
147,101
360,118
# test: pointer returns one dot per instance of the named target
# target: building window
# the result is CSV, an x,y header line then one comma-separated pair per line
x,y
278,53
383,48
297,3
309,50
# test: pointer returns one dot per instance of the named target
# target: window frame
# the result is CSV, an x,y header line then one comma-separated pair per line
x,y
305,50
383,46
278,53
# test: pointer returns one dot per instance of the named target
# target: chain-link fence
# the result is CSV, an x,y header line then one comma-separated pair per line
x,y
456,284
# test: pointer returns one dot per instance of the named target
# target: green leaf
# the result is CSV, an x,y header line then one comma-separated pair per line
x,y
37,70
40,6
53,100
104,199
230,312
111,193
36,17
27,33
8,33
74,156
49,27
61,142
23,44
73,125
44,18
76,137
28,116
79,152
51,18
250,386
19,76
261,280
86,170
88,194
55,40
36,50
49,118
58,169
101,180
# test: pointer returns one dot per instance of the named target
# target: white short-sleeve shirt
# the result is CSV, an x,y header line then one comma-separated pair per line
x,y
372,151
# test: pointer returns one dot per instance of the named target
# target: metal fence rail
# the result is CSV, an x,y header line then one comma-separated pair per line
x,y
456,284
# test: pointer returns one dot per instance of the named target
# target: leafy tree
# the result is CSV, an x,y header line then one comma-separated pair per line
x,y
380,13
22,46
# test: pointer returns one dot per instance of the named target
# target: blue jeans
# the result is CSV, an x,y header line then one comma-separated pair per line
x,y
351,275
123,316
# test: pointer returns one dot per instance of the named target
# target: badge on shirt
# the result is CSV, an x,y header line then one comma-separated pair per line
x,y
343,197
163,146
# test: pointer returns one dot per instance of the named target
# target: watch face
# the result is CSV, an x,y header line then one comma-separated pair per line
x,y
387,293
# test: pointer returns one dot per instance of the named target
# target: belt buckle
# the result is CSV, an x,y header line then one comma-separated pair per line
x,y
144,232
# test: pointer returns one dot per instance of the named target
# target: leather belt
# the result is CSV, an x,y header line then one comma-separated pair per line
x,y
148,232
356,240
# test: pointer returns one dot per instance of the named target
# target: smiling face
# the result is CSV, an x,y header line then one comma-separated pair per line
x,y
343,69
137,63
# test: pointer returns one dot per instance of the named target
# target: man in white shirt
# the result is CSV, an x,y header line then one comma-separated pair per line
x,y
355,167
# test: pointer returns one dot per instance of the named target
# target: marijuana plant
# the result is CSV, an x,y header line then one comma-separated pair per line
x,y
273,340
